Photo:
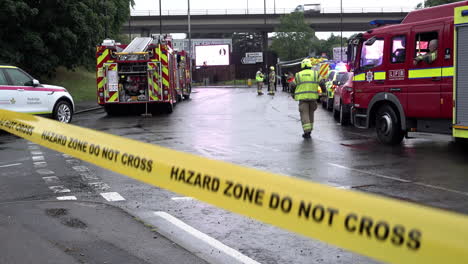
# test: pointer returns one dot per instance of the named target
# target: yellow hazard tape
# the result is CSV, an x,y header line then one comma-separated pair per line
x,y
382,228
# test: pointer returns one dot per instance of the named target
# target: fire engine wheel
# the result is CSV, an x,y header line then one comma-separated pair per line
x,y
336,114
169,108
344,117
388,126
329,104
63,112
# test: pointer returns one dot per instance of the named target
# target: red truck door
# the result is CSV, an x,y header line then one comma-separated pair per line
x,y
397,73
425,78
446,100
370,77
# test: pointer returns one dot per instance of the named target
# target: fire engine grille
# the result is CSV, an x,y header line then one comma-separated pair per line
x,y
462,76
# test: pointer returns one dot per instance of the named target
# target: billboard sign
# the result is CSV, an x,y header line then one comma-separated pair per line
x,y
212,55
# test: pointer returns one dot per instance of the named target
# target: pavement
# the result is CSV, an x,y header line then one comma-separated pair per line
x,y
81,232
237,126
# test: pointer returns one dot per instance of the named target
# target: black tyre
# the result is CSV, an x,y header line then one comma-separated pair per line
x,y
388,127
344,116
169,108
110,110
63,112
329,104
336,114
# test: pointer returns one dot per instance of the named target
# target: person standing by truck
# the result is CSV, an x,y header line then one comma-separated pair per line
x,y
259,79
272,81
306,92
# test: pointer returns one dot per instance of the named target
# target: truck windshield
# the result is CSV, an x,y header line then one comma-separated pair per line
x,y
372,55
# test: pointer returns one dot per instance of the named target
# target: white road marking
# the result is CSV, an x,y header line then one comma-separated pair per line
x,y
33,147
112,196
37,158
440,188
59,189
72,161
51,179
202,245
31,143
369,173
401,180
45,172
99,186
40,164
10,165
66,156
183,198
81,168
36,152
66,198
88,176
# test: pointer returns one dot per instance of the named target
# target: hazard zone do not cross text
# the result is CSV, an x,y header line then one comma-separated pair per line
x,y
323,215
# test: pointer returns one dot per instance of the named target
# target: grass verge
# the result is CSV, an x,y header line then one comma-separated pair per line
x,y
80,83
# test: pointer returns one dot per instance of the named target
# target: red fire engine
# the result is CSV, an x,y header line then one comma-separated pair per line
x,y
404,74
183,74
144,72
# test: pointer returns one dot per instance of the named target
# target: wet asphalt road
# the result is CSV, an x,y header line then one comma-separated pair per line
x,y
236,125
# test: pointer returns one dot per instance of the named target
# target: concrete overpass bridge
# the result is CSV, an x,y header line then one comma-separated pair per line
x,y
228,21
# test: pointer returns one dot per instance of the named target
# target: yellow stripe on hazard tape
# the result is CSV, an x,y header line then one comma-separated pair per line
x,y
383,228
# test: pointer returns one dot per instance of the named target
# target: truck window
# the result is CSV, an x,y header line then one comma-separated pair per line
x,y
372,55
398,49
422,41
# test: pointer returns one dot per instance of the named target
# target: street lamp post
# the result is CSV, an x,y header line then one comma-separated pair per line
x,y
190,41
341,30
160,20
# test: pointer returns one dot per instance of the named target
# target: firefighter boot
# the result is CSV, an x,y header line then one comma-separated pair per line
x,y
306,135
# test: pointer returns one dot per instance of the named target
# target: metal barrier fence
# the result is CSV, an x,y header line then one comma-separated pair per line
x,y
258,11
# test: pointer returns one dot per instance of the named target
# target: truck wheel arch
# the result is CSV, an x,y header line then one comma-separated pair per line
x,y
385,98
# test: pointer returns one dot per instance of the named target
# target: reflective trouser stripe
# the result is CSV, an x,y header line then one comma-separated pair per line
x,y
307,126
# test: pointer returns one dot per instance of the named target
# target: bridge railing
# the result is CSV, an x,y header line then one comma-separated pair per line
x,y
179,12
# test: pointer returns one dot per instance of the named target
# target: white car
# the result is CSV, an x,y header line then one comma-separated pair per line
x,y
22,93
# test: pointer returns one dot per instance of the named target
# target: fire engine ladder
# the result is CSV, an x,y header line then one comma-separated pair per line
x,y
139,44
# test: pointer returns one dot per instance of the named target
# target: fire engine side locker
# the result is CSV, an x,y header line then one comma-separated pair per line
x,y
460,115
111,86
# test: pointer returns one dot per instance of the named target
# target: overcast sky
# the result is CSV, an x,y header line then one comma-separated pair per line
x,y
258,4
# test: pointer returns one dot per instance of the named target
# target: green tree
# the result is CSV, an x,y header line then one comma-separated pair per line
x,y
247,42
326,46
294,38
429,3
39,36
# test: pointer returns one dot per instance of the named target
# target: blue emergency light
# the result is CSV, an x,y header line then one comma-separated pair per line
x,y
380,22
464,13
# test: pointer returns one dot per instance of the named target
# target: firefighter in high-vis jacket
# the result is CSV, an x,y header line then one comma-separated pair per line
x,y
259,80
306,92
272,81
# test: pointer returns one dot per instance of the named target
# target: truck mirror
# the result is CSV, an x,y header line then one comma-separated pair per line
x,y
370,41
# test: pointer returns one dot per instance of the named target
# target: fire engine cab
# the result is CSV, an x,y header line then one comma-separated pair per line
x,y
412,75
145,72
